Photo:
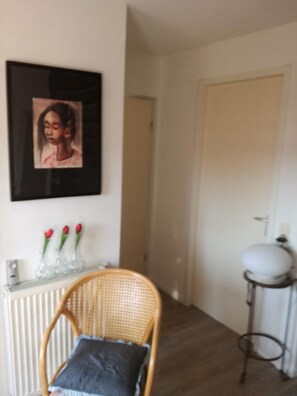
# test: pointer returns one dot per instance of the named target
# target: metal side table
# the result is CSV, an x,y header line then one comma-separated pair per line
x,y
245,341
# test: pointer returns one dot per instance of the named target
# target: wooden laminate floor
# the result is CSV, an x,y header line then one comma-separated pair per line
x,y
199,356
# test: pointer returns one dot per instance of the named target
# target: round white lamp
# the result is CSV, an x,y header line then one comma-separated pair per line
x,y
266,263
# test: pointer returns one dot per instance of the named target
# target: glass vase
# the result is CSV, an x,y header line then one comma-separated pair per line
x,y
60,267
44,270
77,262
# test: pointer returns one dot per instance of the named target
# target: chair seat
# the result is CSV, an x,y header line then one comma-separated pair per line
x,y
103,368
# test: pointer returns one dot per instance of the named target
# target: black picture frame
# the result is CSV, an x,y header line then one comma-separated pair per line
x,y
35,170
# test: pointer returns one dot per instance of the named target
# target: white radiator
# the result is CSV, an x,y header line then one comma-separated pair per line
x,y
28,308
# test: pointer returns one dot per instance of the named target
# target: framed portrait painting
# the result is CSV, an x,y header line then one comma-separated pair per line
x,y
54,126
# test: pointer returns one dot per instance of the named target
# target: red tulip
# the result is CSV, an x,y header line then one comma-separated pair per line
x,y
64,235
49,233
47,237
78,228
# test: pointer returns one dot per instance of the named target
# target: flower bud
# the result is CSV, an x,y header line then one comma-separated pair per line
x,y
78,228
49,233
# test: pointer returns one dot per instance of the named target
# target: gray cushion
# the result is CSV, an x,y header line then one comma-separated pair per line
x,y
102,367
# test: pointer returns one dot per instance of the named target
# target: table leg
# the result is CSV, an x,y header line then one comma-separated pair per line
x,y
251,294
283,375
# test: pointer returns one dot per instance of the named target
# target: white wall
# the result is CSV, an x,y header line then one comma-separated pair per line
x,y
143,74
173,213
79,34
169,254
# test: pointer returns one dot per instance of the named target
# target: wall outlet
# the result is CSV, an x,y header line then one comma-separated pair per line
x,y
12,272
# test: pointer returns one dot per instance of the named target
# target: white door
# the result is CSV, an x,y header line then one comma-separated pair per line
x,y
241,124
136,183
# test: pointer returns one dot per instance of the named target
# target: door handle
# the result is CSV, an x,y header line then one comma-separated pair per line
x,y
264,219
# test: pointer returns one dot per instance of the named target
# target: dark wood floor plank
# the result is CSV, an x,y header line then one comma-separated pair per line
x,y
199,356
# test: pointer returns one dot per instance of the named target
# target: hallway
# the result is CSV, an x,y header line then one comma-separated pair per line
x,y
199,356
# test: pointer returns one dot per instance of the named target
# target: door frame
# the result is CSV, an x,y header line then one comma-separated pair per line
x,y
285,71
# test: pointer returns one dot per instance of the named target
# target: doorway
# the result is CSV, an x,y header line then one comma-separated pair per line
x,y
137,155
239,149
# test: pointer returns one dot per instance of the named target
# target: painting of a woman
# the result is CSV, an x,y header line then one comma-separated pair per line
x,y
57,127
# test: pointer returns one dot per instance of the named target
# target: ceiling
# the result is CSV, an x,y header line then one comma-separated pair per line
x,y
164,27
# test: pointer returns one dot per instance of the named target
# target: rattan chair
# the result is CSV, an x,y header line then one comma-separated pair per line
x,y
114,304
